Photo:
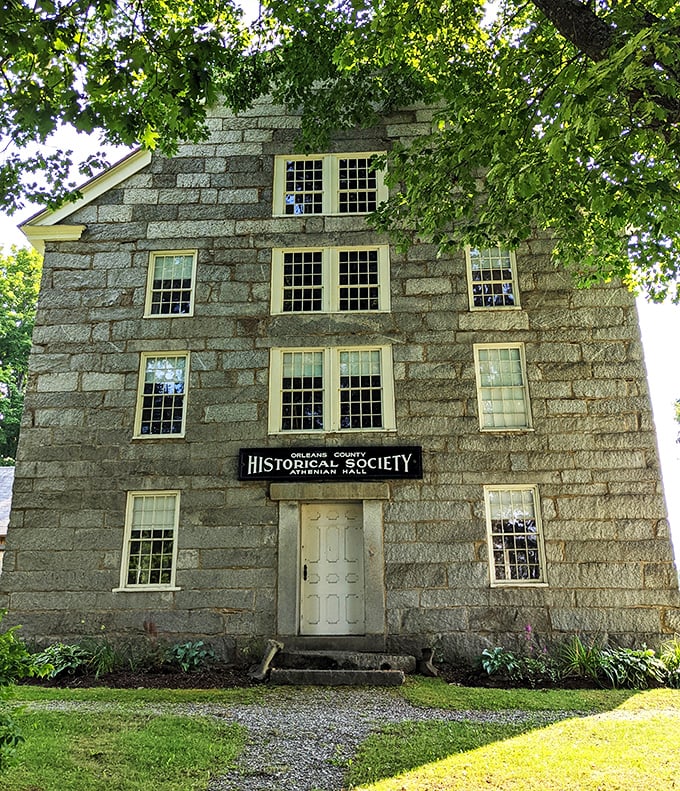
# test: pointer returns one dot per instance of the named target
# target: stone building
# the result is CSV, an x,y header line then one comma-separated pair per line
x,y
250,416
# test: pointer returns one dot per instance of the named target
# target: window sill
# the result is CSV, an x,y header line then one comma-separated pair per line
x,y
163,437
523,430
147,589
518,584
333,432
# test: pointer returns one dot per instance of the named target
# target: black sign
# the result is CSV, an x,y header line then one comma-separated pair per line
x,y
330,464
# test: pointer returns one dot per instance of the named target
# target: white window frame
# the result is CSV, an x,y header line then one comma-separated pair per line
x,y
515,287
531,489
331,390
528,426
330,285
149,283
140,395
330,182
127,541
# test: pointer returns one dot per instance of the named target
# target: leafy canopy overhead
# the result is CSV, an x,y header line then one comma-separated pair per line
x,y
552,114
142,72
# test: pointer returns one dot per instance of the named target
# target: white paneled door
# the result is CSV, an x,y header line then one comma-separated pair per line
x,y
332,569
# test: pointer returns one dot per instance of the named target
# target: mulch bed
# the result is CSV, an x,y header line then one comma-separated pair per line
x,y
228,676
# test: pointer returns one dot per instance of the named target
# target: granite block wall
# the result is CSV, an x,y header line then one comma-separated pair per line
x,y
591,450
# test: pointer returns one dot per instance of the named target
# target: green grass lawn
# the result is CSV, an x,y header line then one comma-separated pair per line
x,y
631,742
122,750
607,741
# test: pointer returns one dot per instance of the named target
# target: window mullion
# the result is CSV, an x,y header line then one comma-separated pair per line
x,y
330,184
387,387
331,361
330,279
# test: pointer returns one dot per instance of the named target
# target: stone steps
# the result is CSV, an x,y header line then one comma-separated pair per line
x,y
331,667
344,660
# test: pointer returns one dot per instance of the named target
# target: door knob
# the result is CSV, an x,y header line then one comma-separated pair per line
x,y
304,572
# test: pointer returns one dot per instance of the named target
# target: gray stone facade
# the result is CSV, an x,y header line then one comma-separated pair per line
x,y
590,452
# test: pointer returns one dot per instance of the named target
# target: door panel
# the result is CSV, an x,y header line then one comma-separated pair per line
x,y
332,562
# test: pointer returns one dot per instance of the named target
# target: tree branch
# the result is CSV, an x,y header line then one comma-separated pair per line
x,y
579,24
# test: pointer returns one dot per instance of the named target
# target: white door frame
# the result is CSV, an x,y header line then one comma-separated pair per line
x,y
290,497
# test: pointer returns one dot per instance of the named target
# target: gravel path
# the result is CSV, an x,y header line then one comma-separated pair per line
x,y
302,740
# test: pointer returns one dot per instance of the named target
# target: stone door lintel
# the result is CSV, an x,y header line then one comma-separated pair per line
x,y
329,491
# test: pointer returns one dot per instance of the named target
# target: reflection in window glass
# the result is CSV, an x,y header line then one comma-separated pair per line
x,y
514,534
358,186
150,547
492,279
304,186
360,389
302,281
163,389
502,390
171,285
302,391
359,280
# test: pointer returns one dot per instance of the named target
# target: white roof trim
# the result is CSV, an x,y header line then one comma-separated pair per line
x,y
38,235
91,190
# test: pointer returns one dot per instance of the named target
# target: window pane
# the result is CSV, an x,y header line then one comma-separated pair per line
x,y
163,395
358,186
359,280
502,395
515,539
492,283
302,281
151,542
360,390
304,186
302,391
171,284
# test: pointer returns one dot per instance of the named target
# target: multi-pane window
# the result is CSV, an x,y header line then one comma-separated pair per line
x,y
302,391
161,401
303,189
358,280
516,552
492,278
502,392
361,389
357,185
330,279
150,545
327,184
331,390
170,286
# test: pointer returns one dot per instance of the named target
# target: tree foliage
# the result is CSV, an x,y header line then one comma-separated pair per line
x,y
142,71
19,282
552,114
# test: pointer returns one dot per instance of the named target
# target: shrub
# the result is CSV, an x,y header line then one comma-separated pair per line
x,y
190,656
579,659
669,654
499,662
629,668
626,668
102,657
15,662
64,659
